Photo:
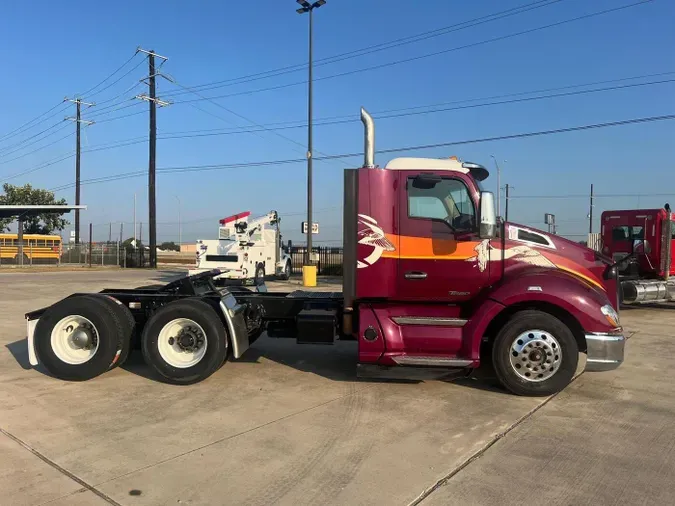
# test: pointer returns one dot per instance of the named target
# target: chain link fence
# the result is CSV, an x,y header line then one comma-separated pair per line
x,y
104,254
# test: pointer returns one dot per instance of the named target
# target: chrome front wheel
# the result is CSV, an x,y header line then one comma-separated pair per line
x,y
536,355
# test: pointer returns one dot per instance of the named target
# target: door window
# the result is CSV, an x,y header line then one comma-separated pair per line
x,y
447,200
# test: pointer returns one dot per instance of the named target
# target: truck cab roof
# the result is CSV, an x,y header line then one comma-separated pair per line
x,y
453,164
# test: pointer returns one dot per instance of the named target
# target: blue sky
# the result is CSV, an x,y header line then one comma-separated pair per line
x,y
49,50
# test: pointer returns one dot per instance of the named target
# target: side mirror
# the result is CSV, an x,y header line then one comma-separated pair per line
x,y
641,246
487,228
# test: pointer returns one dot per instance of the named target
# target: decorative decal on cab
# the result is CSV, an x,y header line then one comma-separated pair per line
x,y
486,253
372,235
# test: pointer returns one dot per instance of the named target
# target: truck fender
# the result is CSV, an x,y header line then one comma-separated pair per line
x,y
554,290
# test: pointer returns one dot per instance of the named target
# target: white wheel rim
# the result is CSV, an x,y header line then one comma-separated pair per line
x,y
75,340
182,343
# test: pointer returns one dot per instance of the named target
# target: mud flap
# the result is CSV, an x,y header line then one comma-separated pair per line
x,y
236,324
30,338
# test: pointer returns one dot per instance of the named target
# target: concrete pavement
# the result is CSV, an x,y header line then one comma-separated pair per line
x,y
609,438
290,424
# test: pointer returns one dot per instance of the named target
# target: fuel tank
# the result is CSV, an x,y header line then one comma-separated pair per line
x,y
635,291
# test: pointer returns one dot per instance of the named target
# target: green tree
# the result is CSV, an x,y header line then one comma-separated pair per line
x,y
44,223
127,243
169,246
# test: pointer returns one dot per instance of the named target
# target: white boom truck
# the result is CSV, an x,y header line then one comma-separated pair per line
x,y
246,249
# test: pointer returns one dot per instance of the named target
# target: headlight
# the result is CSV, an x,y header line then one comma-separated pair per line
x,y
611,315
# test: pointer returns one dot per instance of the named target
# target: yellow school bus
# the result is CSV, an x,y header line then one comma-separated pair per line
x,y
37,248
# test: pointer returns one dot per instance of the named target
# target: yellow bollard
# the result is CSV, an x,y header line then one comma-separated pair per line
x,y
309,275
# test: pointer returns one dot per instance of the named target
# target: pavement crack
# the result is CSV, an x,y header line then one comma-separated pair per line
x,y
479,453
60,469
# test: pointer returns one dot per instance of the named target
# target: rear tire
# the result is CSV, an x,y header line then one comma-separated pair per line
x,y
78,338
535,354
286,275
128,324
185,341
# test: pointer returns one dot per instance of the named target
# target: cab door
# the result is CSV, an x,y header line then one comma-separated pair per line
x,y
439,246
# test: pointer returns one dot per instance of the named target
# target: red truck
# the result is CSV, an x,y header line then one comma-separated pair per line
x,y
641,242
433,285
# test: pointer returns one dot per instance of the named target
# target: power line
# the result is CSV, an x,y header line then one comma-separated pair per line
x,y
201,168
376,47
86,93
24,127
115,118
112,145
8,149
262,127
595,196
412,112
436,53
61,105
37,149
348,119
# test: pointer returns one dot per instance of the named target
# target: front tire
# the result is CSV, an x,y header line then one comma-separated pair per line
x,y
259,275
185,341
535,354
78,338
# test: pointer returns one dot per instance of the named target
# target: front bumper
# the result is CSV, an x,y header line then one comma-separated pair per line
x,y
604,352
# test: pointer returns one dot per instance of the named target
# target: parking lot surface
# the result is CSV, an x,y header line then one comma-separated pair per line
x,y
290,424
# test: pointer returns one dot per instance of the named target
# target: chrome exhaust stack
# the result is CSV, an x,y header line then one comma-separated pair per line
x,y
369,139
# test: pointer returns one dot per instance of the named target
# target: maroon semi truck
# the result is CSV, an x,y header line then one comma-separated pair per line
x,y
433,286
641,242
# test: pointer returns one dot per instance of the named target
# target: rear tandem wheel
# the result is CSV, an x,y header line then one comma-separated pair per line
x,y
79,337
185,341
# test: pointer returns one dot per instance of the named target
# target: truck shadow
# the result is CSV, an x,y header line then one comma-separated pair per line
x,y
653,305
19,350
334,362
338,363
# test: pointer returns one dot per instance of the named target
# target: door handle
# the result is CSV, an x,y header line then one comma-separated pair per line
x,y
415,275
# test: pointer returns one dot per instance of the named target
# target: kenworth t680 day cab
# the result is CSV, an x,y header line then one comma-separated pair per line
x,y
433,285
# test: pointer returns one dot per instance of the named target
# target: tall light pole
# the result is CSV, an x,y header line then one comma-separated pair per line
x,y
309,7
179,236
499,186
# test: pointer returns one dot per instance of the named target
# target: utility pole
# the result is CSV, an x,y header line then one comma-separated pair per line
x,y
309,8
152,205
506,207
153,101
110,234
590,213
134,242
179,231
121,232
78,119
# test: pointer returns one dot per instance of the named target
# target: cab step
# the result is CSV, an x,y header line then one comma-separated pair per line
x,y
412,373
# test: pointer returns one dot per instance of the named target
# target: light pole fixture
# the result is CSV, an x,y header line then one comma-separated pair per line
x,y
179,232
499,187
309,7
